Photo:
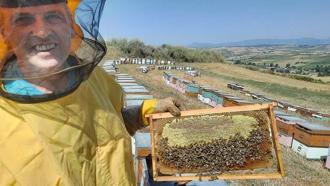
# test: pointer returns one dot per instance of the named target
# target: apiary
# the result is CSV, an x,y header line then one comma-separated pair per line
x,y
219,143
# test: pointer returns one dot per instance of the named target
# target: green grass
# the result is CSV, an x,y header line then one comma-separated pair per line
x,y
287,91
269,59
319,61
277,58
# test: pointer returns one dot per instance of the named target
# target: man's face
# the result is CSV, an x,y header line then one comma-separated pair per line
x,y
40,37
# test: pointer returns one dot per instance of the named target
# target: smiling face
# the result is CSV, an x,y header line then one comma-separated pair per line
x,y
39,36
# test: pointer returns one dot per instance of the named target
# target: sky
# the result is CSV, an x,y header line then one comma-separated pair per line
x,y
183,22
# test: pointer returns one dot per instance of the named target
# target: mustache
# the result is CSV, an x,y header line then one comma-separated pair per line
x,y
35,40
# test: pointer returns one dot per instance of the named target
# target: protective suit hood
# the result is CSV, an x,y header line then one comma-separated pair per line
x,y
48,47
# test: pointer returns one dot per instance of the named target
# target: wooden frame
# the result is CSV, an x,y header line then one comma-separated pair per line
x,y
272,126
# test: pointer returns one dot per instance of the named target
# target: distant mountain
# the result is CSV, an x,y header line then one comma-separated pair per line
x,y
264,42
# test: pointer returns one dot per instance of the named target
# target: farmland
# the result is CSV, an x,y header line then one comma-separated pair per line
x,y
299,171
300,55
308,61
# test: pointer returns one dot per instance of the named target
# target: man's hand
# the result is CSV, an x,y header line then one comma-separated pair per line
x,y
172,105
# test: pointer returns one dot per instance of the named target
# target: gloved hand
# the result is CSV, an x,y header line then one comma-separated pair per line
x,y
172,105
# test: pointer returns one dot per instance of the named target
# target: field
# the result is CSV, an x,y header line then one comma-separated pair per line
x,y
306,61
300,55
299,171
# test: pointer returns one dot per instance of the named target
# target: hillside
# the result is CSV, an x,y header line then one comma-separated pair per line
x,y
299,171
123,48
306,94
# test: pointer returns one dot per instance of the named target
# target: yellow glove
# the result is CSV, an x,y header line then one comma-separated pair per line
x,y
174,106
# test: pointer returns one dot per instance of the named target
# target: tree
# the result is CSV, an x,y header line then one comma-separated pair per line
x,y
137,49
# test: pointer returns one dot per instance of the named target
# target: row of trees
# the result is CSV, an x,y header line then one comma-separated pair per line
x,y
322,70
137,49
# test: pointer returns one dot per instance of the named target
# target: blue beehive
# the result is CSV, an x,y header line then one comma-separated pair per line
x,y
192,88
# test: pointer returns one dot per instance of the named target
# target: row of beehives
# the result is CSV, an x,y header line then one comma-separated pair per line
x,y
142,61
311,140
135,93
285,106
205,94
110,67
168,67
162,65
235,86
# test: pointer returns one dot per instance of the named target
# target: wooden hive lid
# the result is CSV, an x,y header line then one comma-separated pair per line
x,y
138,96
128,84
313,128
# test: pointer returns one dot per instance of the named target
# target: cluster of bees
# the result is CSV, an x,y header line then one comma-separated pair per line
x,y
217,156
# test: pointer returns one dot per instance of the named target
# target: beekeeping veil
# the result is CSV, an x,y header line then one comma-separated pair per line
x,y
48,47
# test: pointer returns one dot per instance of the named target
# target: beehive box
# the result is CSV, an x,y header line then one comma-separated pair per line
x,y
219,143
327,163
192,88
230,101
309,152
126,81
136,91
285,126
312,134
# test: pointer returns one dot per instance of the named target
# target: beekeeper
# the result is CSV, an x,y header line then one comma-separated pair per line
x,y
62,120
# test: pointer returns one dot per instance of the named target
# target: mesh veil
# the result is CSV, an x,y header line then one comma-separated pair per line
x,y
48,52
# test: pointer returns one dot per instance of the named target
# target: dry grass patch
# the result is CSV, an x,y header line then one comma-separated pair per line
x,y
243,73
